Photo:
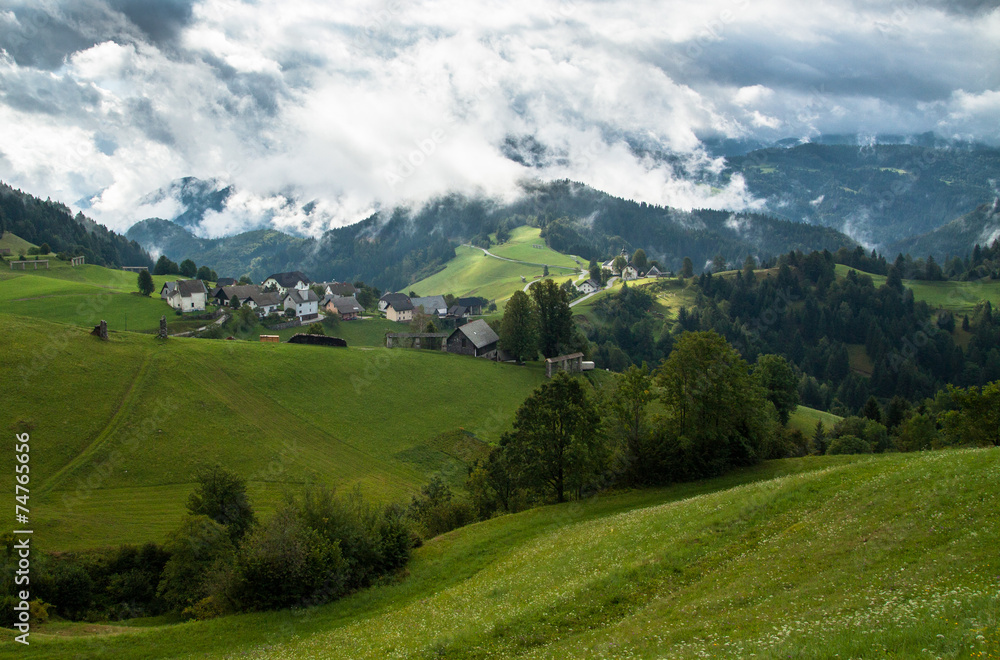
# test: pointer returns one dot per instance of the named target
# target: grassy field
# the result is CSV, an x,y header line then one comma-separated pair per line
x,y
120,427
958,297
84,295
521,247
670,295
15,243
368,332
890,556
471,273
804,419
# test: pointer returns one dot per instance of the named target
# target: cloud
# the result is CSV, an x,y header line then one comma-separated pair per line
x,y
386,102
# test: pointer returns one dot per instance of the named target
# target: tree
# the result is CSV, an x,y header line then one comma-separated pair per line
x,y
977,420
872,410
245,279
618,264
519,327
555,319
205,274
718,263
628,401
44,249
557,437
222,496
165,266
195,547
687,268
316,329
545,271
145,284
713,405
188,268
780,384
640,261
234,302
595,271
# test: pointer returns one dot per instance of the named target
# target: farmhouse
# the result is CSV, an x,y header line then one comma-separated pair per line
x,y
167,290
397,307
304,302
264,302
226,281
186,295
476,338
655,272
630,272
458,312
431,305
285,281
389,298
347,308
473,304
243,293
339,289
590,286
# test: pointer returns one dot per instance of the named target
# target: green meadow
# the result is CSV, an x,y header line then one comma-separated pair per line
x,y
119,428
890,556
83,295
472,273
958,297
521,247
805,418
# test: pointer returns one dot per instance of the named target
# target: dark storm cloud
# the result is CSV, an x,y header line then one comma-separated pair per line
x,y
44,36
142,115
160,20
34,92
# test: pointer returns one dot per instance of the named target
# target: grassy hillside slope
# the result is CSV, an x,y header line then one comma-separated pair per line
x,y
521,246
889,556
958,297
120,427
471,273
83,295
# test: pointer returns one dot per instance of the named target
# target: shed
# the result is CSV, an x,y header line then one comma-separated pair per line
x,y
477,339
573,363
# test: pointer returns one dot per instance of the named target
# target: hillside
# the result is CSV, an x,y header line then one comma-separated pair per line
x,y
891,556
876,194
84,295
120,427
395,247
37,221
958,237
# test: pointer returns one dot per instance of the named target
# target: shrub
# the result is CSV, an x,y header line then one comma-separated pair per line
x,y
435,512
848,444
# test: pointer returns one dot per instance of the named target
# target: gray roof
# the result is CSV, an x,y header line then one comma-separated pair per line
x,y
242,291
226,281
302,296
479,333
458,310
428,303
187,288
169,286
289,279
265,299
593,283
340,288
471,302
347,305
398,301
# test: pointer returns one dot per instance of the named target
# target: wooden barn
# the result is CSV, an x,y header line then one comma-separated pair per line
x,y
477,339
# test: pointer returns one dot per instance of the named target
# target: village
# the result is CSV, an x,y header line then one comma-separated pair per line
x,y
292,299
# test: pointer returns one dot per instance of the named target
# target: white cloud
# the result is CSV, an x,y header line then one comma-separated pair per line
x,y
377,103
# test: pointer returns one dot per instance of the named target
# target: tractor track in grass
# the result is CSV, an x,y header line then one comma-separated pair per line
x,y
126,403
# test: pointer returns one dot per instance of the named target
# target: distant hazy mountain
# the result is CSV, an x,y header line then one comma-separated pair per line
x,y
958,237
195,197
875,194
393,248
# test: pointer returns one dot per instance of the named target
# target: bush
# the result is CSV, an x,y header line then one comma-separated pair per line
x,y
435,512
848,444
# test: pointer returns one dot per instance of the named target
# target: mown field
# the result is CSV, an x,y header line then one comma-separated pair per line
x,y
521,246
958,297
805,418
119,428
83,295
890,556
471,273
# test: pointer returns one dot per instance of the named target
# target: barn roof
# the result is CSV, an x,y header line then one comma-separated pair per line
x,y
479,333
188,288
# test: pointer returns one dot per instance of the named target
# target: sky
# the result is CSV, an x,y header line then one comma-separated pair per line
x,y
356,106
